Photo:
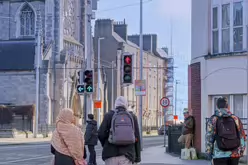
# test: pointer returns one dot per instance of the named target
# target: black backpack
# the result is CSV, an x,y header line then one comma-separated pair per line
x,y
227,134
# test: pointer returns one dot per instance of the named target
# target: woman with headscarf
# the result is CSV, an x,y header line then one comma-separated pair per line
x,y
67,143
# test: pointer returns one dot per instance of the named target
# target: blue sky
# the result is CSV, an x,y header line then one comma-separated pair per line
x,y
160,16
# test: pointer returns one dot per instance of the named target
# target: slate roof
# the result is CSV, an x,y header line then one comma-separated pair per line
x,y
17,55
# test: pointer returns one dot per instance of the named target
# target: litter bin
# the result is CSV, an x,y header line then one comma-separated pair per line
x,y
174,132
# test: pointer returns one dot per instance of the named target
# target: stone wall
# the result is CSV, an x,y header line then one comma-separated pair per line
x,y
9,12
19,88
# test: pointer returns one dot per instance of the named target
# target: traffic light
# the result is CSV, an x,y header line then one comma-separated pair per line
x,y
127,77
78,77
88,81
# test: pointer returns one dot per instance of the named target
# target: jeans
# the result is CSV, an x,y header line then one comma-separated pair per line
x,y
92,158
226,161
119,160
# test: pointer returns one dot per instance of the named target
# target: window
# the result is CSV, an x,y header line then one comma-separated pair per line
x,y
238,105
215,38
238,26
27,20
226,28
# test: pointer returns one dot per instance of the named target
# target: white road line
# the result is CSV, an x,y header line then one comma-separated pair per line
x,y
23,147
23,160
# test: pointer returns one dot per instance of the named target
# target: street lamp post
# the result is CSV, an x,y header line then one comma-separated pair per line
x,y
99,78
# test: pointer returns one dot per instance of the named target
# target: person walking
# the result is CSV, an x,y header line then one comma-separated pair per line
x,y
91,138
225,136
119,135
188,130
67,142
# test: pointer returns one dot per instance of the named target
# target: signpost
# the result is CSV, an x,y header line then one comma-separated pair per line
x,y
80,89
165,102
140,87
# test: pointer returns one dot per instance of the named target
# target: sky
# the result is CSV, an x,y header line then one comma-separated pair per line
x,y
166,18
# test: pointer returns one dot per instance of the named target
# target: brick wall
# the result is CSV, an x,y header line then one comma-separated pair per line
x,y
195,100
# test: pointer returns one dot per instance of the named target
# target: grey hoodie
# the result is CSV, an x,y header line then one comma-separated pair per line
x,y
121,102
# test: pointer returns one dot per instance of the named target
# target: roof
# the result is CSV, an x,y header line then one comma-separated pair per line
x,y
17,55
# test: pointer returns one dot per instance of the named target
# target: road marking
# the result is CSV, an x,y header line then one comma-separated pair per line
x,y
23,160
23,147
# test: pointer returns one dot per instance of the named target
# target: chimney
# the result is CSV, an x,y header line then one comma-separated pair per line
x,y
121,29
149,42
103,28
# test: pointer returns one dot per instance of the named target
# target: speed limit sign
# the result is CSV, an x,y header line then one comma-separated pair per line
x,y
164,102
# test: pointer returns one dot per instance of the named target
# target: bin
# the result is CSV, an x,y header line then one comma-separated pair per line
x,y
174,132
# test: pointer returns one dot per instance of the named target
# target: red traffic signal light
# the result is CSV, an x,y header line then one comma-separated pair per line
x,y
128,60
88,74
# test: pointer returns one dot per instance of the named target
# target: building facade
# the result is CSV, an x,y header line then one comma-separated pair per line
x,y
218,60
116,38
62,28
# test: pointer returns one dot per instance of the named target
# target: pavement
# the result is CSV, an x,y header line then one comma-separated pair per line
x,y
40,140
39,153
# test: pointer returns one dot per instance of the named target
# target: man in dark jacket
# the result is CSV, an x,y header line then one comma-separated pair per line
x,y
91,138
113,154
188,130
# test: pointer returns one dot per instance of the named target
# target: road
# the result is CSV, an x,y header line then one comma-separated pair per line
x,y
40,154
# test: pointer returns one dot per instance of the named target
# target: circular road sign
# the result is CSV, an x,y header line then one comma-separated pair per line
x,y
164,102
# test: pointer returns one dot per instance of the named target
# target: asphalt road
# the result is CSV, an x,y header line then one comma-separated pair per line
x,y
40,154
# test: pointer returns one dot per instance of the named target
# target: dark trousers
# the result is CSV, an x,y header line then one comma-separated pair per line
x,y
226,161
92,158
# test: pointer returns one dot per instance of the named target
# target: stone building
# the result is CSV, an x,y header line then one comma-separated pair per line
x,y
62,49
116,37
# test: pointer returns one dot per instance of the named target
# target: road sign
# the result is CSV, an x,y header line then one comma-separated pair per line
x,y
140,87
80,89
97,104
164,102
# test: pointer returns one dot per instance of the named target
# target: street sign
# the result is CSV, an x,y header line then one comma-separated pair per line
x,y
140,87
164,102
97,104
80,89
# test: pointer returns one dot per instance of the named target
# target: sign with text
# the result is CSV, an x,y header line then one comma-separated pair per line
x,y
140,87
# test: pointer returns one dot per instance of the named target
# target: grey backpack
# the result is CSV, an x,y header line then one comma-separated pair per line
x,y
122,128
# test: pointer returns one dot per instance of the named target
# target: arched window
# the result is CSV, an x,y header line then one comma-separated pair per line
x,y
27,21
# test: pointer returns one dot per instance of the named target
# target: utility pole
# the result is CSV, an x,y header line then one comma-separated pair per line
x,y
112,84
177,82
37,68
141,73
99,78
87,51
247,105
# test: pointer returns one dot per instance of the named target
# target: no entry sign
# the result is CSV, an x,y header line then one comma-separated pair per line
x,y
164,102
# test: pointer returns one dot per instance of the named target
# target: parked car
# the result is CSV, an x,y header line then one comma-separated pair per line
x,y
161,130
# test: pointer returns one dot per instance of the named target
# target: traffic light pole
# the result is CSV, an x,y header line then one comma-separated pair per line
x,y
141,73
87,51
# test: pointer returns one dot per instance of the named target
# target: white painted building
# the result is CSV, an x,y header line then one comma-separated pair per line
x,y
218,59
